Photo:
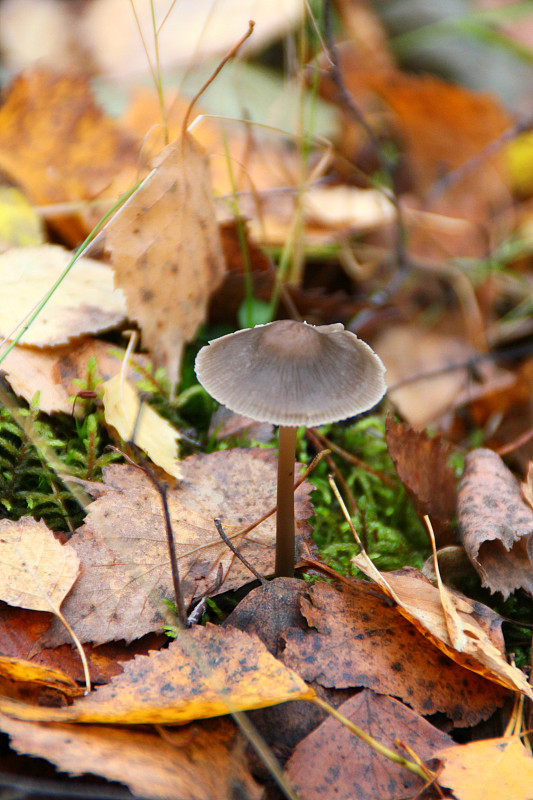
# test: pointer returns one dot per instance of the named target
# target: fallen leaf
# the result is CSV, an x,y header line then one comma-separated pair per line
x,y
495,524
420,603
141,424
331,758
491,768
35,567
206,672
422,464
347,207
29,682
357,639
58,146
20,226
85,302
166,251
123,550
206,763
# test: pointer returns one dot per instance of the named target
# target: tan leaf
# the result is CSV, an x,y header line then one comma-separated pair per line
x,y
34,565
59,146
420,603
51,371
123,549
141,424
166,251
85,302
206,672
348,207
495,524
491,768
331,756
350,630
205,762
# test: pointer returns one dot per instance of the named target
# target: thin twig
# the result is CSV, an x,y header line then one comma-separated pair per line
x,y
313,438
220,529
324,441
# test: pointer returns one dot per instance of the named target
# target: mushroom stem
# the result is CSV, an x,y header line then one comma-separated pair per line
x,y
285,512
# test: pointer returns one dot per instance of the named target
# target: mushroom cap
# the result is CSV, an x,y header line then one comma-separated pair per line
x,y
291,373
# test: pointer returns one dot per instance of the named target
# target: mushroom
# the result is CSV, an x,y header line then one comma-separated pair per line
x,y
290,374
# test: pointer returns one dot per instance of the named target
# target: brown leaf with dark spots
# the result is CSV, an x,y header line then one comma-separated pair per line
x,y
422,464
333,759
361,640
166,251
495,524
122,545
203,761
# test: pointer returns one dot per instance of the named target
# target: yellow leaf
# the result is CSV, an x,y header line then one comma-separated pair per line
x,y
205,673
142,424
19,224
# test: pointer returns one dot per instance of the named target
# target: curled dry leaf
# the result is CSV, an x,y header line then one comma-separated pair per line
x,y
166,251
490,768
35,567
141,424
495,524
206,672
352,630
123,550
25,680
85,302
331,756
205,763
51,371
420,603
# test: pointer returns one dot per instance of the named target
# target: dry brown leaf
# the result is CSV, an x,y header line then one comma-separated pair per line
x,y
141,424
85,302
51,371
35,567
420,603
206,672
166,251
495,524
123,550
58,146
422,464
493,769
352,630
205,763
332,759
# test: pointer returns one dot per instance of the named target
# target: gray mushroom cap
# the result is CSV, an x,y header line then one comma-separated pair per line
x,y
291,373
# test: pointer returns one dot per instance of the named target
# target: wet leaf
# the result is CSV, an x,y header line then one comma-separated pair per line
x,y
85,302
359,639
495,524
491,768
123,548
206,672
332,756
166,251
35,567
141,424
420,603
205,762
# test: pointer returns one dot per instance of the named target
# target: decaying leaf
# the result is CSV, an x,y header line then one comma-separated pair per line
x,y
357,639
206,672
419,602
495,524
205,763
166,251
331,756
30,682
59,146
141,424
35,567
51,371
491,768
85,302
422,464
123,548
